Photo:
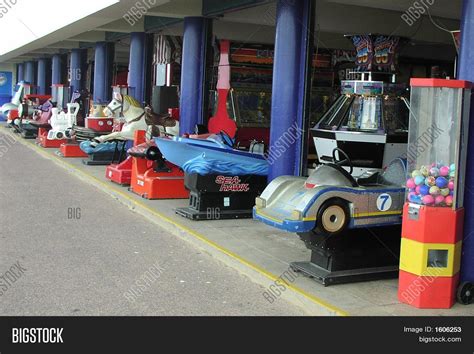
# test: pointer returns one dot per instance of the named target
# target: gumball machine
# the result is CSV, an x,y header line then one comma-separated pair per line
x,y
433,214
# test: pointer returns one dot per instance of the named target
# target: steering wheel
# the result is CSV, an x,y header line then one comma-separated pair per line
x,y
346,160
226,139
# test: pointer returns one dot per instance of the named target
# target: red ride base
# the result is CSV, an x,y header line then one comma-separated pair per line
x,y
71,150
42,140
157,185
120,173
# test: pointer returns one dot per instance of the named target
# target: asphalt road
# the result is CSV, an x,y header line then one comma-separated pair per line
x,y
79,252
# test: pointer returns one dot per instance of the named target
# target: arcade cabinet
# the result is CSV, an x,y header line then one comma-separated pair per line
x,y
369,120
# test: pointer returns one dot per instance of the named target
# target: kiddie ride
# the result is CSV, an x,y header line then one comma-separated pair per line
x,y
153,177
22,109
28,112
433,214
70,148
96,124
102,122
147,172
157,124
348,212
51,112
352,226
223,180
10,109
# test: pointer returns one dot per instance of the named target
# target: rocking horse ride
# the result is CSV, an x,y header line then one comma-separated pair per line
x,y
146,122
125,115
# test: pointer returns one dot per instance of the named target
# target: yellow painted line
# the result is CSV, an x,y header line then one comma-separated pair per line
x,y
197,235
381,213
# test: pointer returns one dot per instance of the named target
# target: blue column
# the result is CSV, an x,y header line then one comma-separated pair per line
x,y
291,87
44,76
136,67
20,72
466,72
77,73
57,69
30,72
193,95
103,72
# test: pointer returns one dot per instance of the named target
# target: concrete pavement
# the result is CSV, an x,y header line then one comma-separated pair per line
x,y
86,254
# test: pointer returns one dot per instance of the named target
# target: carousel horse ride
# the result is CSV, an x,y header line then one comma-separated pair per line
x,y
106,149
140,172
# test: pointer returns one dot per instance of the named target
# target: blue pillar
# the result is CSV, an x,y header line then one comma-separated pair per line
x,y
291,88
136,67
466,72
30,72
193,97
104,56
57,68
44,76
77,73
20,72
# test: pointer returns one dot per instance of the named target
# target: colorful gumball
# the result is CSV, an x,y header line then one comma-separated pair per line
x,y
441,182
424,189
434,191
417,190
416,173
424,171
428,200
439,200
411,183
434,171
448,200
444,171
445,192
419,180
451,185
452,174
430,181
452,167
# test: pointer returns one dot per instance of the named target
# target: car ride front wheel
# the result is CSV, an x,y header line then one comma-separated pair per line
x,y
333,217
